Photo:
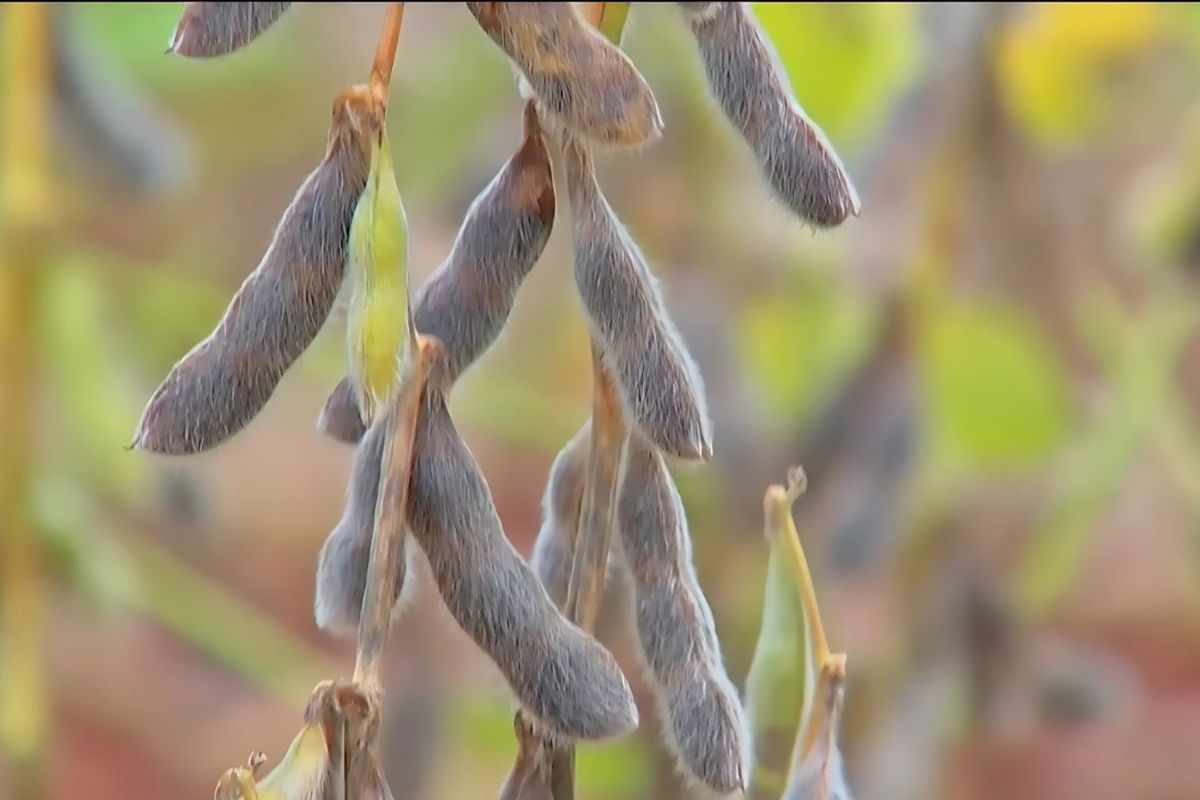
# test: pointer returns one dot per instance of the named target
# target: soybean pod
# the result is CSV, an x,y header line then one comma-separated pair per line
x,y
215,29
659,384
467,300
560,674
746,79
580,79
702,718
223,382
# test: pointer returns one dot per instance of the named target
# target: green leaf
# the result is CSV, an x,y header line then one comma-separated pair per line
x,y
995,394
846,62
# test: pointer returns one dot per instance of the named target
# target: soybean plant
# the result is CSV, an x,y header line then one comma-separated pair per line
x,y
613,517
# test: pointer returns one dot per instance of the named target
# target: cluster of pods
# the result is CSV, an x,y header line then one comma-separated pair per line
x,y
346,226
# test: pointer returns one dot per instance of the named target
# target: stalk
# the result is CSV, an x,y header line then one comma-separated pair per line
x,y
593,540
23,188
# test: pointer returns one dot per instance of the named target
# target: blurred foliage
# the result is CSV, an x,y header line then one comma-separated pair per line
x,y
995,396
815,327
1057,61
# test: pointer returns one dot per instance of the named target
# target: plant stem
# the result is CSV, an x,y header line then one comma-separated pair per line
x,y
385,54
26,71
593,539
391,510
594,536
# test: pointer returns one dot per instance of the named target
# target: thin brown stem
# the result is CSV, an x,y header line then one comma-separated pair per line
x,y
594,537
391,511
385,54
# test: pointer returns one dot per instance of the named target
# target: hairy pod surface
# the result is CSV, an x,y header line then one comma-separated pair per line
x,y
346,554
561,508
340,418
701,715
578,77
561,675
214,29
745,77
467,300
660,386
218,387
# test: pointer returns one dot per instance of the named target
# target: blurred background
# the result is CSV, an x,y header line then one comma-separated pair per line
x,y
990,378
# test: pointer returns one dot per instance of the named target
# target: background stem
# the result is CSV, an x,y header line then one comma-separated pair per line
x,y
23,704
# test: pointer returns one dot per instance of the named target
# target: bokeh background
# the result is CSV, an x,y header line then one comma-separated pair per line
x,y
990,377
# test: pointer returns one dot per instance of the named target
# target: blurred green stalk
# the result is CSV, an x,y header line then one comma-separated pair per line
x,y
1143,378
23,704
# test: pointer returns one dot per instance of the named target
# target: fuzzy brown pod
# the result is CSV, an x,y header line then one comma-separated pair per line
x,y
579,79
218,387
702,717
745,77
561,508
467,300
659,384
209,29
559,674
340,418
346,554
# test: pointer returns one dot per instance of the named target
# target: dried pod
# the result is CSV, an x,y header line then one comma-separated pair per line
x,y
342,564
339,417
578,77
561,675
215,29
218,387
745,77
467,300
561,507
660,386
702,718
